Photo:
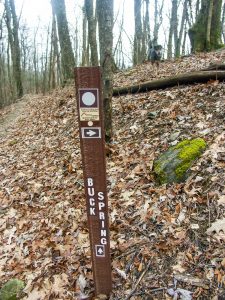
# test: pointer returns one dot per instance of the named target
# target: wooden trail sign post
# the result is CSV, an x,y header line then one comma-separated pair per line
x,y
92,141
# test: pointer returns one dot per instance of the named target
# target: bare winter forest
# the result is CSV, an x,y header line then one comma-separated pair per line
x,y
166,238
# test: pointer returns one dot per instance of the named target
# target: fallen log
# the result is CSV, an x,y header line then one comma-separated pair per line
x,y
214,67
185,78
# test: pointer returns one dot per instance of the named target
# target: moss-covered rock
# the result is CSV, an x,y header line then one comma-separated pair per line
x,y
11,289
174,164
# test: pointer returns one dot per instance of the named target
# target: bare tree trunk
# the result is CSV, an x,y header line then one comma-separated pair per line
x,y
92,31
170,43
3,85
12,91
45,65
85,56
157,21
105,20
118,50
197,8
205,34
13,36
35,63
54,57
156,28
175,4
184,40
138,32
209,22
147,21
223,23
67,56
173,29
76,44
2,76
146,31
183,20
119,53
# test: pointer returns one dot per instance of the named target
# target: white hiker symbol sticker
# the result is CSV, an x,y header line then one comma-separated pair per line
x,y
100,250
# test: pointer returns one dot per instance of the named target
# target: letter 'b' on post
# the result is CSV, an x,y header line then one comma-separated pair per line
x,y
91,128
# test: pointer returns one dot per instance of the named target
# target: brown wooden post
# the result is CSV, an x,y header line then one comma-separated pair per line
x,y
92,141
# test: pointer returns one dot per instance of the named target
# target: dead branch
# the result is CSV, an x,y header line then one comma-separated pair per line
x,y
215,67
138,281
186,78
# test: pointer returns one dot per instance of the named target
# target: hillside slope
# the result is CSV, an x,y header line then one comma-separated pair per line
x,y
165,239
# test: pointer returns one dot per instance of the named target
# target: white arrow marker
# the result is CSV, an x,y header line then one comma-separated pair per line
x,y
100,251
91,133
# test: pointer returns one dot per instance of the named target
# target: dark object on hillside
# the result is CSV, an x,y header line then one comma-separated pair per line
x,y
155,54
152,115
214,66
176,80
221,296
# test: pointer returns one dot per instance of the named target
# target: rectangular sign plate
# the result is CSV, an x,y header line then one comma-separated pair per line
x,y
91,133
89,104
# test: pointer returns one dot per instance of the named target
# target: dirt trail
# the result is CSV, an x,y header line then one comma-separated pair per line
x,y
9,115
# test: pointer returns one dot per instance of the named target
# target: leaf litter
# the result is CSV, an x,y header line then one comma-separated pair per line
x,y
167,242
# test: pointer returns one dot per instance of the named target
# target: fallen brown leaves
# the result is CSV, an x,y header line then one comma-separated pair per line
x,y
165,241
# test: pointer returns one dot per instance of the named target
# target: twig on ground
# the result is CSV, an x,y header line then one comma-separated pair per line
x,y
138,281
148,293
128,267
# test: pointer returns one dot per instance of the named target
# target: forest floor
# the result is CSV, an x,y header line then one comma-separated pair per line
x,y
11,113
167,242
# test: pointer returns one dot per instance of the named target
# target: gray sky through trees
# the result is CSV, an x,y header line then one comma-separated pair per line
x,y
38,13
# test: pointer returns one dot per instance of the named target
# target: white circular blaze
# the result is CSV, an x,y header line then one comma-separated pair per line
x,y
88,98
90,123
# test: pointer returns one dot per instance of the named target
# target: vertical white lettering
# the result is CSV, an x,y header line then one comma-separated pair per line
x,y
100,196
92,211
101,205
90,182
91,191
103,232
102,216
92,201
103,241
103,224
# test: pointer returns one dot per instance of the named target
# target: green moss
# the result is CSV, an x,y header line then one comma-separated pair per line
x,y
190,150
11,289
182,169
12,143
160,173
174,164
